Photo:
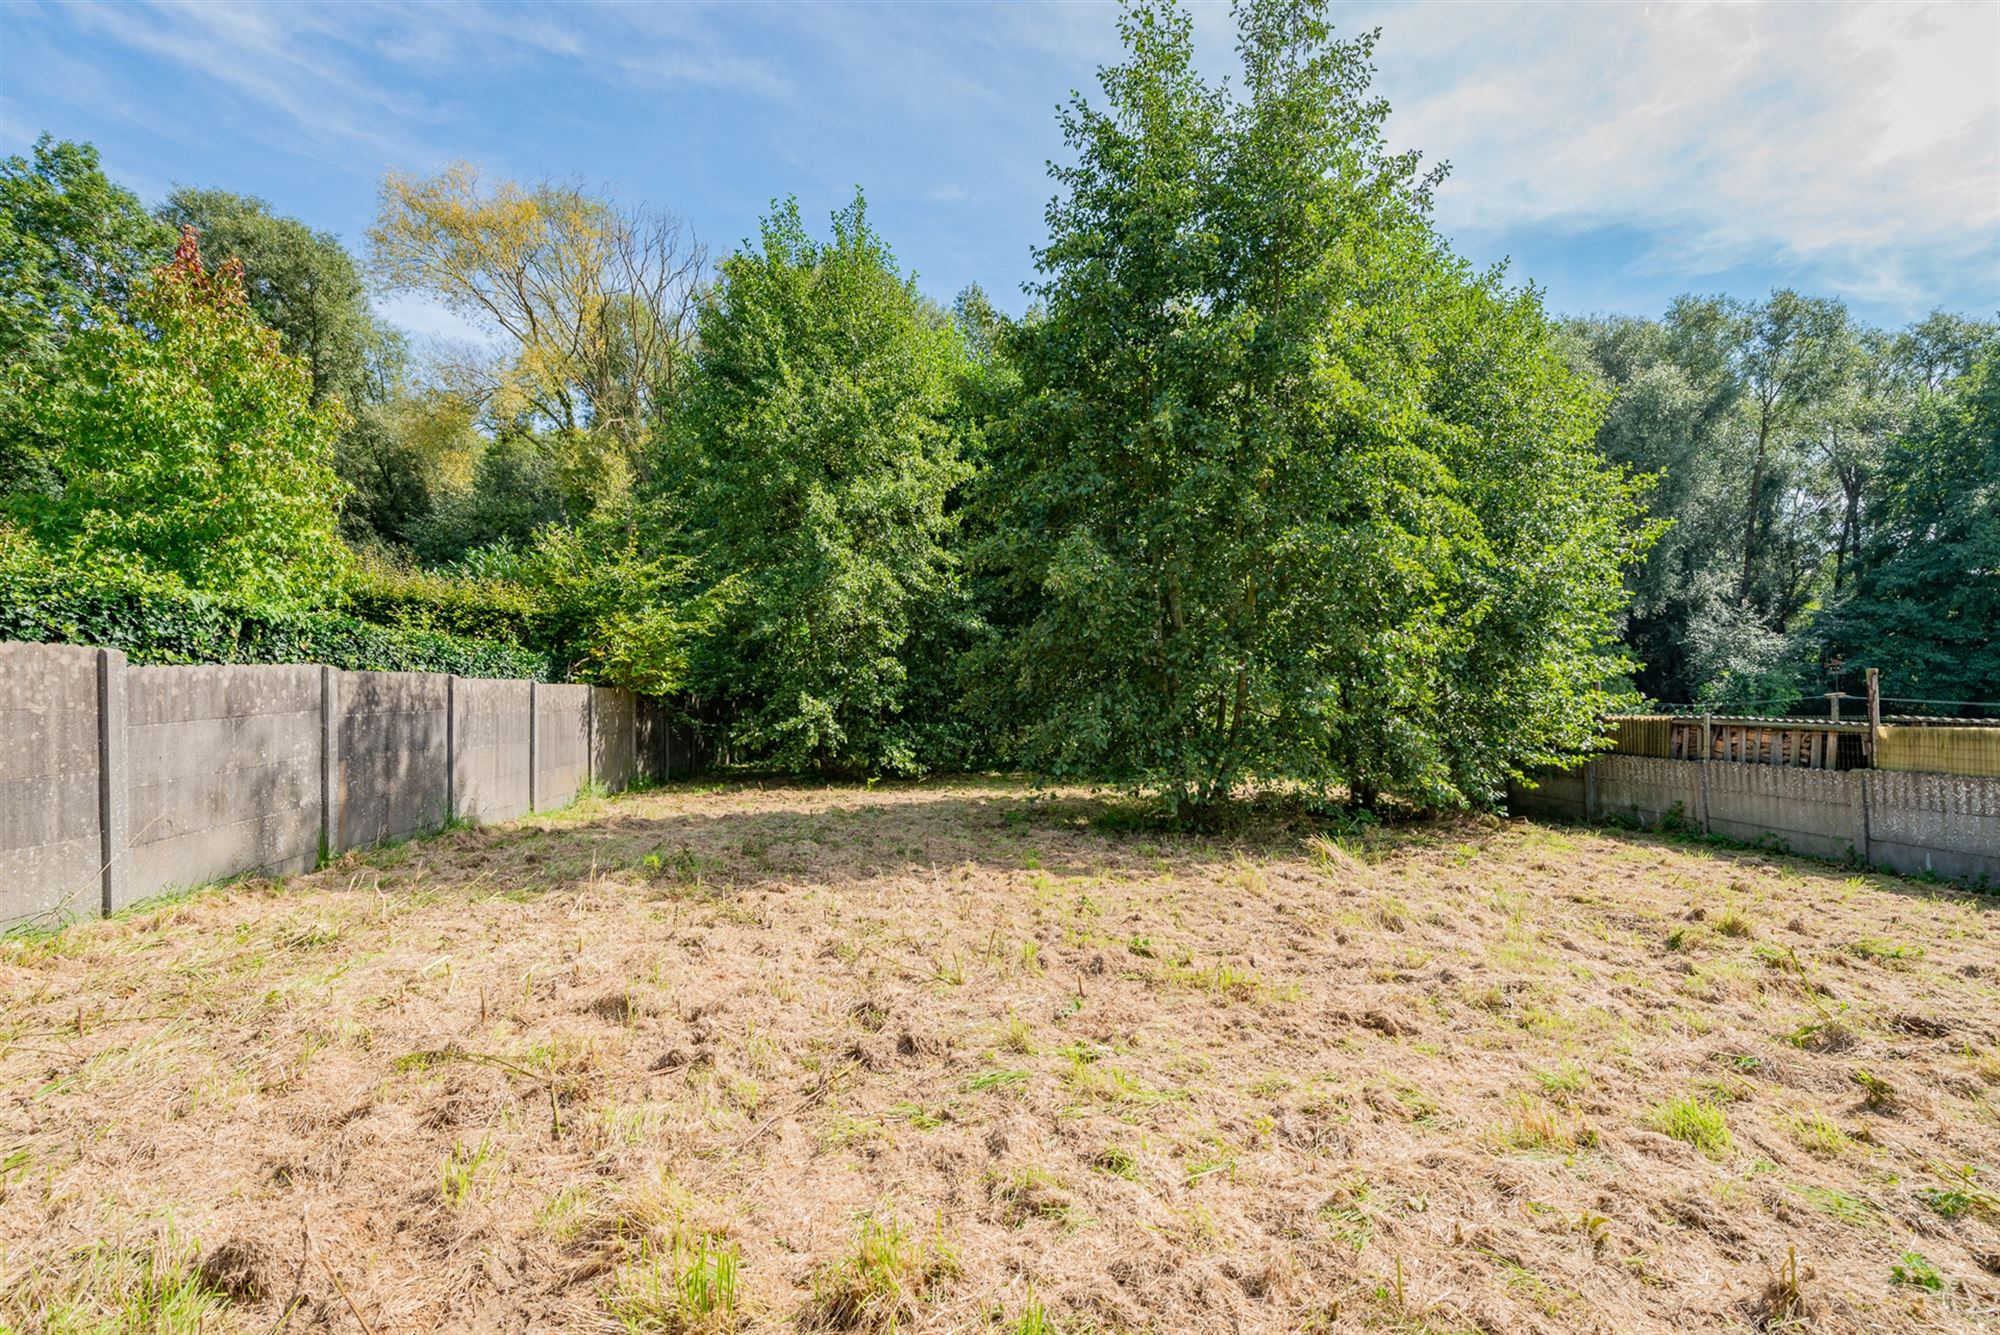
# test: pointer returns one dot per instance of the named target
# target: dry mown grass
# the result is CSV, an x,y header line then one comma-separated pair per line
x,y
954,1057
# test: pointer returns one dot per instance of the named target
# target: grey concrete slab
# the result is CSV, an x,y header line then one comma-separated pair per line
x,y
489,749
51,832
392,771
562,744
222,775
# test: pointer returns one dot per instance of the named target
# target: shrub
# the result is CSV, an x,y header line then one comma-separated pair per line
x,y
155,620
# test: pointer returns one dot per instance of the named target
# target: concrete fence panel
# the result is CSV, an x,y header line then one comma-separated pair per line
x,y
51,849
1817,812
1644,789
562,744
614,737
118,783
393,773
222,775
1557,793
1947,824
489,749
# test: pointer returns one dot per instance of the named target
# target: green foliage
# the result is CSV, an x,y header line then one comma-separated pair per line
x,y
186,444
462,605
157,620
1926,605
71,244
1803,466
813,456
1288,492
514,491
301,283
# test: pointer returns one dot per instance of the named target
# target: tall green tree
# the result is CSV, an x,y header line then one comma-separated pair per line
x,y
72,245
188,445
300,282
1925,605
1289,493
812,455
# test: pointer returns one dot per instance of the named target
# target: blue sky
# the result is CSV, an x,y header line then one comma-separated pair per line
x,y
1619,154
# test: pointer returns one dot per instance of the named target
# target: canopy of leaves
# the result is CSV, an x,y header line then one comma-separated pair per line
x,y
72,244
187,444
1926,607
1288,493
300,282
812,456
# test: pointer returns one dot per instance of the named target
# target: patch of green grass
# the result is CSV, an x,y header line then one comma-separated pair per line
x,y
1033,1319
879,1282
997,1079
1876,1092
1117,1161
1034,1193
1912,1269
1847,1209
458,1175
1818,1133
1350,1211
1566,1079
562,1216
1694,1121
1883,951
1733,921
150,1288
692,1286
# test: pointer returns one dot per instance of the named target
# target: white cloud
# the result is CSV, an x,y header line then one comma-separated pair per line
x,y
1860,140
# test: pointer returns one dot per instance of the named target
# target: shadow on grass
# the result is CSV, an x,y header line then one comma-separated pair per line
x,y
1774,852
746,833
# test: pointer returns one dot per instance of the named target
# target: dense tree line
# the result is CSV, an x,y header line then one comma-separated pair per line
x,y
1832,493
1268,485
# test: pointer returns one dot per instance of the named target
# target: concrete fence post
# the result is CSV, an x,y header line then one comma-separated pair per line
x,y
1707,746
329,762
112,795
451,747
534,761
1860,778
1590,790
589,735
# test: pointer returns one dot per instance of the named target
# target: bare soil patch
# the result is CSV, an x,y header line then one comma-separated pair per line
x,y
958,1057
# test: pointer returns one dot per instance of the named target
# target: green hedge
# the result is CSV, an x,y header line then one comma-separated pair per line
x,y
156,624
483,609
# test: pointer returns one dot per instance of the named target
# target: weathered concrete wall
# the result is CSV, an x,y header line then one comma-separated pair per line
x,y
51,847
614,737
562,744
1557,793
1645,790
1939,823
489,749
118,783
1813,811
392,772
222,775
1942,823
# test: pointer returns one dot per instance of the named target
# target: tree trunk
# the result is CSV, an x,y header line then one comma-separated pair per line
x,y
1750,516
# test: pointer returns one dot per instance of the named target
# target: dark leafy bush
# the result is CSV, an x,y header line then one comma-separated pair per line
x,y
155,622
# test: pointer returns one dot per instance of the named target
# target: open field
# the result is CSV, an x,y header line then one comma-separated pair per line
x,y
956,1057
